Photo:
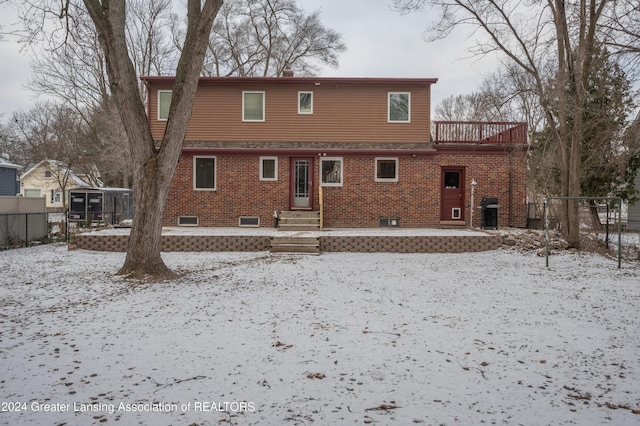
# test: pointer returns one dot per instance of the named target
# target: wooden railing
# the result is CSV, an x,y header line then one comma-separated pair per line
x,y
471,132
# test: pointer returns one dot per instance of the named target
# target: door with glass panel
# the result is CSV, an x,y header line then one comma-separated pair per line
x,y
301,183
452,195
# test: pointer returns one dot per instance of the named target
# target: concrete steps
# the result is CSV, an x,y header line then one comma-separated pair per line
x,y
299,220
295,245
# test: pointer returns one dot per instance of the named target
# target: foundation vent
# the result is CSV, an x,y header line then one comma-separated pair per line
x,y
389,221
249,221
187,220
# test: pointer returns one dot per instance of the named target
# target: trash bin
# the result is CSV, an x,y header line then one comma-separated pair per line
x,y
489,213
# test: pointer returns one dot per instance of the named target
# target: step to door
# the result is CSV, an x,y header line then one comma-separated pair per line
x,y
295,245
298,220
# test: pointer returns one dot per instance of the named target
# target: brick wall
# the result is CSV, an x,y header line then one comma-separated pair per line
x,y
212,243
360,202
245,243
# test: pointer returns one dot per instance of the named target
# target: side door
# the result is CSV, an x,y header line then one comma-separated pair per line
x,y
452,194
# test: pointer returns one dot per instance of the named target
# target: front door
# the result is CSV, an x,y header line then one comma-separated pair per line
x,y
301,183
452,195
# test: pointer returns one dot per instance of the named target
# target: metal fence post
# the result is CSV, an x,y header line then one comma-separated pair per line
x,y
26,229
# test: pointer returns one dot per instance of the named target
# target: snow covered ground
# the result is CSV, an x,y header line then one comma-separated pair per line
x,y
251,338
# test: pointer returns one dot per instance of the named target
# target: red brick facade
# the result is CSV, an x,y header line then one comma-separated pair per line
x,y
358,138
360,202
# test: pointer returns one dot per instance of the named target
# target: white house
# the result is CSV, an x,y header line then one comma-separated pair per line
x,y
53,180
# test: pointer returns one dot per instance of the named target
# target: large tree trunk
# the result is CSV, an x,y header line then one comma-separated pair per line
x,y
143,254
153,167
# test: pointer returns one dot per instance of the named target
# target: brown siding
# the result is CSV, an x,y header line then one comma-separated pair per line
x,y
356,113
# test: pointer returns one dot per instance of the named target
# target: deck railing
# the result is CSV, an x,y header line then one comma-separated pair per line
x,y
489,133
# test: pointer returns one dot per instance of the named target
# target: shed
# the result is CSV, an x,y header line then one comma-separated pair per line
x,y
108,205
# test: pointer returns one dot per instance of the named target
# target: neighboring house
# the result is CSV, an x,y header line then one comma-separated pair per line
x,y
257,145
9,184
53,180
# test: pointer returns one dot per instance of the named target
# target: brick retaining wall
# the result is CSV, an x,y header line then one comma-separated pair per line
x,y
423,244
248,243
118,243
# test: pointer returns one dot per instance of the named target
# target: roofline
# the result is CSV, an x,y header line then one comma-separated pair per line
x,y
9,165
315,152
351,81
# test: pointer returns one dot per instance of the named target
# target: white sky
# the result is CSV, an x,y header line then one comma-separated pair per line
x,y
380,43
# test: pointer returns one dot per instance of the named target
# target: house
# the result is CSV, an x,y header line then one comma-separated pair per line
x,y
53,180
9,184
358,152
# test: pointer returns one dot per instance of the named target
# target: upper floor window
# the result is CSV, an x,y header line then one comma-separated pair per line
x,y
204,173
386,170
252,106
399,107
164,103
305,102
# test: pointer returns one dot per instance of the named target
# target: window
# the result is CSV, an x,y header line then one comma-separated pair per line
x,y
268,168
399,107
164,103
47,173
331,169
386,169
204,173
252,106
305,102
32,193
452,180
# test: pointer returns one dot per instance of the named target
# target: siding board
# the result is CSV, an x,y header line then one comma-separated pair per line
x,y
341,112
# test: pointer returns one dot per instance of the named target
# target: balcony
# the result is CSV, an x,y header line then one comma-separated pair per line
x,y
478,133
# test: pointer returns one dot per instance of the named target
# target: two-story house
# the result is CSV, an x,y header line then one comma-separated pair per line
x,y
358,149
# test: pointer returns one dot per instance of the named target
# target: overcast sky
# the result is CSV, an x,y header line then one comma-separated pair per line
x,y
380,43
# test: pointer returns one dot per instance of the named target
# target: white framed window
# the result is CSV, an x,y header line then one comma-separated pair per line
x,y
269,168
331,171
305,102
164,103
399,108
204,173
253,106
32,192
386,169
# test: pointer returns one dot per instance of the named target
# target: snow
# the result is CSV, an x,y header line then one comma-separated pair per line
x,y
274,232
340,338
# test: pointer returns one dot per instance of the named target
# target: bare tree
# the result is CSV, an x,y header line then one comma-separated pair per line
x,y
56,133
623,34
471,107
260,37
75,72
153,166
533,35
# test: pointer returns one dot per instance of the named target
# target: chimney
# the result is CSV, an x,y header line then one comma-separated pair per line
x,y
287,71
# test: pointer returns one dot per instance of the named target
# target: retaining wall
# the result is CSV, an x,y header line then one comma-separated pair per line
x,y
367,244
